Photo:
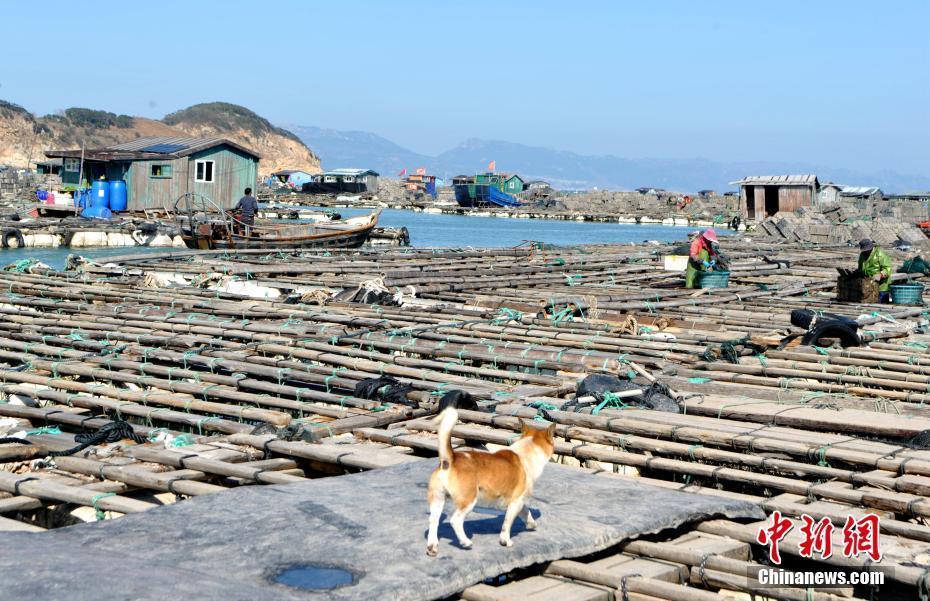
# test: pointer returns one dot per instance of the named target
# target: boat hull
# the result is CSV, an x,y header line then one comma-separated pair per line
x,y
323,237
482,196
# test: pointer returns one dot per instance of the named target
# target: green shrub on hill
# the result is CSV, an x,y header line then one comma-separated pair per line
x,y
225,116
82,117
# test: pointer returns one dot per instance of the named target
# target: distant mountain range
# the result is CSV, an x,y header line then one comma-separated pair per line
x,y
569,170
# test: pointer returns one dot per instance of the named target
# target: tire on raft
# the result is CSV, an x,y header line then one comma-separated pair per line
x,y
12,238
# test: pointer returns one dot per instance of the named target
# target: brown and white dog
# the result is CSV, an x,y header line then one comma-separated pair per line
x,y
502,479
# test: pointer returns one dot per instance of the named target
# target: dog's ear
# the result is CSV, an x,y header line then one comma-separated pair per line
x,y
525,428
550,431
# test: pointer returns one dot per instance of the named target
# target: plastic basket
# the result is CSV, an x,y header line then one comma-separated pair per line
x,y
713,279
907,294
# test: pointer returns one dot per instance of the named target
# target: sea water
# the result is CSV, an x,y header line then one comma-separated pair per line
x,y
429,229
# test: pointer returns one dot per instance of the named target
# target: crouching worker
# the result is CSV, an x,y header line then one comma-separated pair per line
x,y
875,264
702,256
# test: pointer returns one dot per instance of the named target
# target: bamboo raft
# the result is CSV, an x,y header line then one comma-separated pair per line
x,y
240,368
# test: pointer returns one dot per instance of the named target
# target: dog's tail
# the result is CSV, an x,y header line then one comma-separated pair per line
x,y
447,420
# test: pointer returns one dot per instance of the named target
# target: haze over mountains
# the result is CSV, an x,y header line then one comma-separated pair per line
x,y
569,170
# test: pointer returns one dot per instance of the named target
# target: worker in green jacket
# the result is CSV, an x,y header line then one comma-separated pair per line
x,y
875,264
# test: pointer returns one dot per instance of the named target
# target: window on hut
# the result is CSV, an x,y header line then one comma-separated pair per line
x,y
73,165
203,171
161,170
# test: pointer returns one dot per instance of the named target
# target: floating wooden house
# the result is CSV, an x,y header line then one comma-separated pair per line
x,y
912,196
49,167
159,169
292,178
537,185
421,182
513,184
344,180
763,196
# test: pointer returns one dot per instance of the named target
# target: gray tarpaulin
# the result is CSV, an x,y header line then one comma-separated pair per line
x,y
231,545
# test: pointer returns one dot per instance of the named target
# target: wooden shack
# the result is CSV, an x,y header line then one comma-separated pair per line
x,y
292,178
159,169
344,180
766,195
421,182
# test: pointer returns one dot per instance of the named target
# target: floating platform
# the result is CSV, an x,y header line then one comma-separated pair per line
x,y
347,525
74,232
239,371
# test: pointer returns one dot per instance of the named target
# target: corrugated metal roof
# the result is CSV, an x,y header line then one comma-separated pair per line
x,y
349,171
152,147
179,142
808,179
858,190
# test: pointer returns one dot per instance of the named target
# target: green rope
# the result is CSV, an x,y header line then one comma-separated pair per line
x,y
611,401
566,314
182,440
154,432
506,314
201,421
691,451
44,430
99,513
440,390
821,453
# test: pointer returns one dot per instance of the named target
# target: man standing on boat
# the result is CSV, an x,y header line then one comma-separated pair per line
x,y
246,208
702,256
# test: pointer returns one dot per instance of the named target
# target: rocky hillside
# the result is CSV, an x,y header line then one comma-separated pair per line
x,y
24,137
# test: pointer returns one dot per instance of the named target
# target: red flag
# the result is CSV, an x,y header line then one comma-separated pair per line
x,y
421,170
402,173
491,166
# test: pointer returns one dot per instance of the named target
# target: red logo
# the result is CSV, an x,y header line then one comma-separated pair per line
x,y
816,537
859,536
862,536
772,536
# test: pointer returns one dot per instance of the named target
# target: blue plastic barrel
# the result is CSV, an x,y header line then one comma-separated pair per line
x,y
100,194
118,195
96,212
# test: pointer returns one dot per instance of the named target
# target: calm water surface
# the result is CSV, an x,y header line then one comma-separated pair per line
x,y
427,229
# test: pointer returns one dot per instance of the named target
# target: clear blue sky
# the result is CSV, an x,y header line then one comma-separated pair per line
x,y
839,83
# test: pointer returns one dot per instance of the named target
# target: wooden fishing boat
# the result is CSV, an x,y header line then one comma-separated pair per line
x,y
203,225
